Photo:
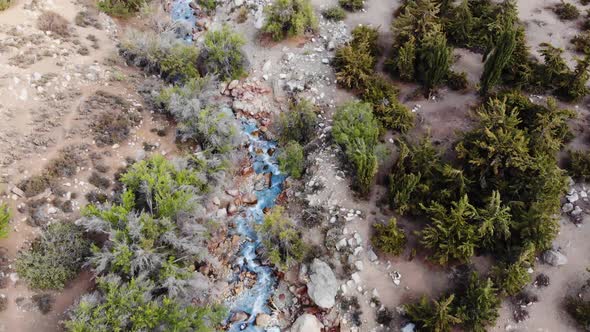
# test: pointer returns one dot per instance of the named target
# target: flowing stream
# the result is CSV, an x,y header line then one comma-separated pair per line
x,y
254,300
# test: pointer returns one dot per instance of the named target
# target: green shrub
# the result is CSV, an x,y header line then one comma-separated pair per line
x,y
386,106
5,216
566,11
433,60
222,54
199,120
4,4
288,18
352,5
54,258
299,123
120,8
579,310
498,58
354,66
573,88
355,120
451,234
457,81
366,36
334,14
389,237
133,306
510,278
163,54
291,160
433,316
282,238
581,42
356,131
579,165
405,63
208,5
477,304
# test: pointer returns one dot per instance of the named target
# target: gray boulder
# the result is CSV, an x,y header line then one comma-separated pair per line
x,y
554,258
323,286
307,323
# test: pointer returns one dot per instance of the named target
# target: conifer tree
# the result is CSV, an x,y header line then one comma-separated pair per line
x,y
498,58
434,59
478,304
433,316
461,24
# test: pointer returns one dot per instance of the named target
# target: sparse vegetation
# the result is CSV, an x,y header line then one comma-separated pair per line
x,y
5,4
566,11
352,5
87,19
120,8
5,216
54,258
221,55
288,18
53,22
579,309
579,165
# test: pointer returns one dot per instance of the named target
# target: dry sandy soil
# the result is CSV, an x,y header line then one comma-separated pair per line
x,y
44,81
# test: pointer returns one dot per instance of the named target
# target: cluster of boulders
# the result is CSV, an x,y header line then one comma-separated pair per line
x,y
576,203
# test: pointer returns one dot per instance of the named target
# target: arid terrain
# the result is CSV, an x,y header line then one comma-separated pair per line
x,y
57,90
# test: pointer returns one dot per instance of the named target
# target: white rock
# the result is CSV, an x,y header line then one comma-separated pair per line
x,y
358,265
573,197
356,278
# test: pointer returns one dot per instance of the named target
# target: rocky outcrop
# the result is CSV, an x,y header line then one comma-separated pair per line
x,y
307,323
554,258
323,286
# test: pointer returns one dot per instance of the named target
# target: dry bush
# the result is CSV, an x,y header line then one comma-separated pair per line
x,y
54,22
4,4
87,19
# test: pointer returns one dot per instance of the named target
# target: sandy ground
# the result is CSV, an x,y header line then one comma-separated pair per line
x,y
31,133
45,83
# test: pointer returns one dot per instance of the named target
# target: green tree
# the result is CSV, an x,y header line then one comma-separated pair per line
x,y
364,161
478,304
291,160
461,24
495,222
451,234
386,106
498,58
406,62
282,238
434,59
354,65
288,18
355,120
433,316
579,309
356,130
389,237
574,87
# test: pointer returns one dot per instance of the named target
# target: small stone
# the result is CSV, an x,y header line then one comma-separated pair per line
x,y
263,320
233,84
567,207
371,255
573,197
577,211
17,191
325,61
356,278
358,265
554,258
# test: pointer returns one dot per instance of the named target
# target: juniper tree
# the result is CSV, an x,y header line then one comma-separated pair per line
x,y
406,61
451,234
574,87
389,237
461,24
434,59
477,303
498,58
433,316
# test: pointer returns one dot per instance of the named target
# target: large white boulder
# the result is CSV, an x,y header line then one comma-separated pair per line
x,y
323,286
